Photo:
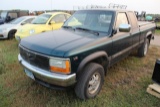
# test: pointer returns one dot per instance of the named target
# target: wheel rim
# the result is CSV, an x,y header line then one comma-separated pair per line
x,y
145,49
94,83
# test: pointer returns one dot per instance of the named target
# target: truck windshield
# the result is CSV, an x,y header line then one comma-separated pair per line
x,y
17,21
42,19
91,19
3,15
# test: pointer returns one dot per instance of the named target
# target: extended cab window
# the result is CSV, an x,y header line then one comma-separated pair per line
x,y
133,20
121,19
59,18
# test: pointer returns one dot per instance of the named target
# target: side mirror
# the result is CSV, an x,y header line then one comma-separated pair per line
x,y
52,22
114,31
23,23
124,27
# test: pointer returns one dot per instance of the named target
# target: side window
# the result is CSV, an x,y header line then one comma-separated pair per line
x,y
59,18
133,20
29,20
12,15
121,19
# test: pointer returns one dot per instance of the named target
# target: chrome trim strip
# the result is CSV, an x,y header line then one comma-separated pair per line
x,y
50,77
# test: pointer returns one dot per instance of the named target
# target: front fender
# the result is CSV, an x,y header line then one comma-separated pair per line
x,y
90,58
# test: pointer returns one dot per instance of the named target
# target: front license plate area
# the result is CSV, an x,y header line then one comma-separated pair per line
x,y
29,74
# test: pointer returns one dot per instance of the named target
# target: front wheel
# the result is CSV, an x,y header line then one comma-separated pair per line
x,y
142,51
90,81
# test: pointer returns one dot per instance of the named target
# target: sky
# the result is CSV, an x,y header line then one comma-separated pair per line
x,y
150,6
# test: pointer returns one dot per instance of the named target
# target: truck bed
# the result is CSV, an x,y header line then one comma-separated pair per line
x,y
143,23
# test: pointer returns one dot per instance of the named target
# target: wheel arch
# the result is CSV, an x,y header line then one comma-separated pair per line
x,y
12,30
149,36
97,57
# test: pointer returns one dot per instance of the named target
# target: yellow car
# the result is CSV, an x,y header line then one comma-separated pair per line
x,y
42,23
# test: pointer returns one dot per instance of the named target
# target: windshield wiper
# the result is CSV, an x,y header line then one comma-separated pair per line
x,y
89,30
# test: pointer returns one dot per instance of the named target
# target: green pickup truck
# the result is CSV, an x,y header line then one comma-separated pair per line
x,y
78,54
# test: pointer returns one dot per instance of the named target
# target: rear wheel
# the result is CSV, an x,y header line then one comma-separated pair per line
x,y
142,51
90,81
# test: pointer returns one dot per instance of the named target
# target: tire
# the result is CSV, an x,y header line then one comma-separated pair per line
x,y
142,51
90,81
11,35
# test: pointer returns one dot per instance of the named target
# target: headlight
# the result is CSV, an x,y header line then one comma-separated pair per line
x,y
32,31
60,65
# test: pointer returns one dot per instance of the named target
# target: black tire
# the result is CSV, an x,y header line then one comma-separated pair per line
x,y
142,51
11,34
90,73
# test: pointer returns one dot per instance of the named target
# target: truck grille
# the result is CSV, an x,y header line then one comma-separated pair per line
x,y
34,58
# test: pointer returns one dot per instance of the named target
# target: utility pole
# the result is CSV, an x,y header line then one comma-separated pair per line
x,y
51,4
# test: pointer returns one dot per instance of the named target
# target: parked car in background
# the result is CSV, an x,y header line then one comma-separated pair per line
x,y
8,30
0,11
43,23
80,53
9,15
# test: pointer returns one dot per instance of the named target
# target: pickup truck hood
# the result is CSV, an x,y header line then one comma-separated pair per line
x,y
57,42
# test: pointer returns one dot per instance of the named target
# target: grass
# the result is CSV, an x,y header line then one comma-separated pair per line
x,y
157,32
125,84
158,24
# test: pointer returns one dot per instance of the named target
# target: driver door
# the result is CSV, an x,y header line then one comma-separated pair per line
x,y
122,41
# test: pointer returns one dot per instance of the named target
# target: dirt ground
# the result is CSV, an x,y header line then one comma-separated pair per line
x,y
156,41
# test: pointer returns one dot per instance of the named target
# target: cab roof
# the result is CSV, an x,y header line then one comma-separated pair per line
x,y
113,10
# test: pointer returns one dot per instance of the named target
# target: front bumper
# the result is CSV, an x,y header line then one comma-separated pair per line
x,y
49,77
